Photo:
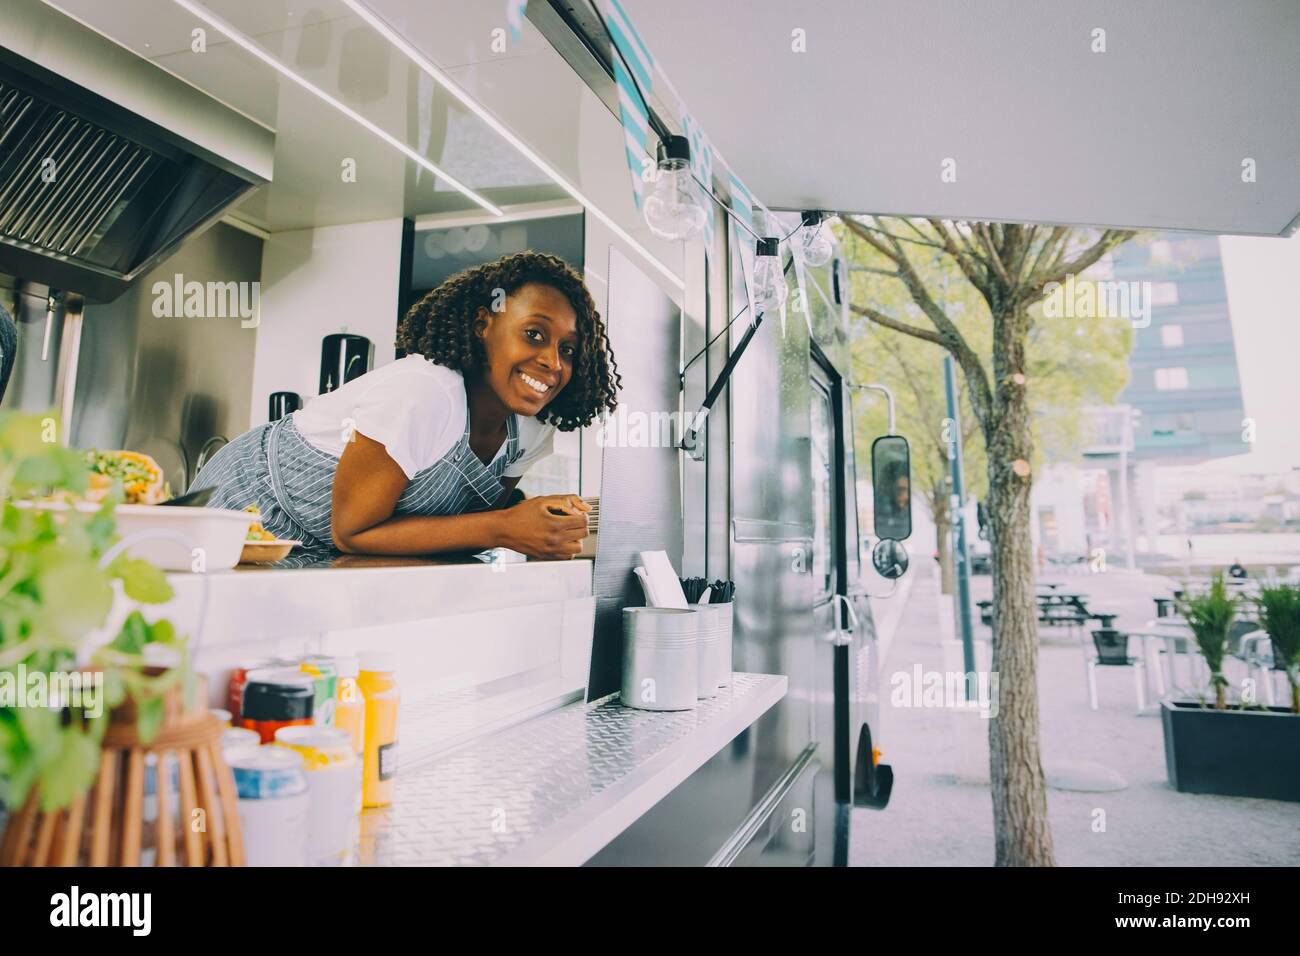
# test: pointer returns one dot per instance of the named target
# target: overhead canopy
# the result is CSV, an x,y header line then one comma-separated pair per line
x,y
1152,133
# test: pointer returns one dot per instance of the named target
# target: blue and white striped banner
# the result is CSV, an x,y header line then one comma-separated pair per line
x,y
804,303
634,85
701,168
515,18
742,205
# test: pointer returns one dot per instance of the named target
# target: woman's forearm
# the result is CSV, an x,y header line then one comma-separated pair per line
x,y
423,534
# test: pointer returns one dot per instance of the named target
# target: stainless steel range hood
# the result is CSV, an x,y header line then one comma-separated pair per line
x,y
107,163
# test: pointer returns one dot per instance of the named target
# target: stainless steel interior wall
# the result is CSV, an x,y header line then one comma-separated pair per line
x,y
738,808
164,384
640,487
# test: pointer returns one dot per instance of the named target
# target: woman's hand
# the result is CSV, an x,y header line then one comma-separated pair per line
x,y
550,526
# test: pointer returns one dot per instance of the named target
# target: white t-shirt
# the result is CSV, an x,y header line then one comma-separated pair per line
x,y
416,409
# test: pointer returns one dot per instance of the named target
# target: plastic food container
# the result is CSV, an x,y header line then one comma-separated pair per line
x,y
212,539
180,539
660,658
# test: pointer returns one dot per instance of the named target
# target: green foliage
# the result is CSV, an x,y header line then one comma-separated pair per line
x,y
1279,613
1210,615
1070,363
55,597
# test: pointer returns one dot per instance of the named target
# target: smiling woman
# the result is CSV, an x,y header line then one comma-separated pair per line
x,y
421,455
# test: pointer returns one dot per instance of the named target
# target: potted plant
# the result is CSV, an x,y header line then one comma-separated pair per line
x,y
1232,748
1279,614
64,678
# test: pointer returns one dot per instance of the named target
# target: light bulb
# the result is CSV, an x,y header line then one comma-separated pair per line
x,y
814,246
770,289
673,210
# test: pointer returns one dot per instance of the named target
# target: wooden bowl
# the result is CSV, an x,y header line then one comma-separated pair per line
x,y
264,552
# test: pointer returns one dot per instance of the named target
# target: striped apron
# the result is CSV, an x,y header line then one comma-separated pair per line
x,y
292,481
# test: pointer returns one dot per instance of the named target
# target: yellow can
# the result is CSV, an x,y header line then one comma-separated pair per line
x,y
379,689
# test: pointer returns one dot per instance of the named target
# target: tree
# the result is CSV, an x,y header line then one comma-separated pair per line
x,y
1012,268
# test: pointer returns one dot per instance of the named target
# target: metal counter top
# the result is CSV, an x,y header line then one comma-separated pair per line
x,y
555,789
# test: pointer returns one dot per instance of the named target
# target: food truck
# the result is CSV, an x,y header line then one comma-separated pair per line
x,y
236,235
212,211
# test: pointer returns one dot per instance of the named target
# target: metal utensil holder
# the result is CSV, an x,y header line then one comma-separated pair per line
x,y
660,658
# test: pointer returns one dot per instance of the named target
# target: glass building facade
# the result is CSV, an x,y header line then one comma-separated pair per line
x,y
1183,370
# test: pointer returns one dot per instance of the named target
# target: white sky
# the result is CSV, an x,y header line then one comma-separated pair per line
x,y
1263,280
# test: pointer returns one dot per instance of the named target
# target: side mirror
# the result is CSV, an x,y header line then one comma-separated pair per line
x,y
891,483
889,559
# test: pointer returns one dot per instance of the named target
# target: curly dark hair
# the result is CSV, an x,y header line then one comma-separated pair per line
x,y
441,328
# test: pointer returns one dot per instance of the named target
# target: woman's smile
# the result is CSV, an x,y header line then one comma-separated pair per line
x,y
542,386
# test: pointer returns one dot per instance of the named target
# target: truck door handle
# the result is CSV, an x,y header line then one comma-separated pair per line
x,y
842,636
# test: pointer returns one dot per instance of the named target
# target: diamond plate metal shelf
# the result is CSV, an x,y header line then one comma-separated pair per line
x,y
554,789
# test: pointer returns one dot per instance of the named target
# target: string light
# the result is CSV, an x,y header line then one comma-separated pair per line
x,y
673,209
770,290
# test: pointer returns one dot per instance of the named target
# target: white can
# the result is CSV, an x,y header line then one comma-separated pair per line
x,y
273,805
334,787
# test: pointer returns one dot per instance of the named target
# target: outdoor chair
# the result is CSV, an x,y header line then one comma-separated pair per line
x,y
1109,648
1256,651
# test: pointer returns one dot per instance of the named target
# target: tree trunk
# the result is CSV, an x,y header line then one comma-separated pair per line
x,y
1023,835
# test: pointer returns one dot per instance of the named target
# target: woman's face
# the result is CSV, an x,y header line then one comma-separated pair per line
x,y
531,346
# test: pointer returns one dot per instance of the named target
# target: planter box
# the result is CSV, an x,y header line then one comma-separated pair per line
x,y
1234,752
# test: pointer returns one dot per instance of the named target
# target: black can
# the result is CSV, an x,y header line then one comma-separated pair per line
x,y
343,357
282,404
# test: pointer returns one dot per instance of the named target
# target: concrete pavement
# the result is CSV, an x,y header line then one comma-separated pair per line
x,y
941,810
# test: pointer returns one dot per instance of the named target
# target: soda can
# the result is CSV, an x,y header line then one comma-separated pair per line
x,y
238,680
325,674
274,806
334,787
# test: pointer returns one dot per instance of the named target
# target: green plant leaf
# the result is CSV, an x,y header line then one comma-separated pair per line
x,y
134,634
163,632
114,689
143,581
76,597
150,718
53,594
72,770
